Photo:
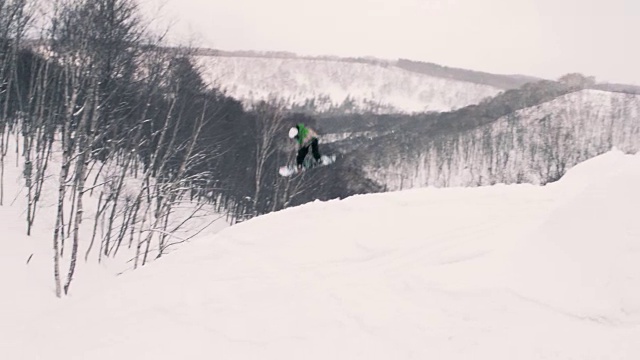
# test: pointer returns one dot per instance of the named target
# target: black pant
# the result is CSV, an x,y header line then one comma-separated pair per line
x,y
302,153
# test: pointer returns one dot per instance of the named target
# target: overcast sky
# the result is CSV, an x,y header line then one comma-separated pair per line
x,y
546,38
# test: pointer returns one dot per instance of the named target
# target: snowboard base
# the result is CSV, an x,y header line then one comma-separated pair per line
x,y
309,163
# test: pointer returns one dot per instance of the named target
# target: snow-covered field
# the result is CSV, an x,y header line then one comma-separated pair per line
x,y
331,82
500,273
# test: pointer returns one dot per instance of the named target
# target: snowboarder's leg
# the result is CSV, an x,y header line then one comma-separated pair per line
x,y
302,153
315,149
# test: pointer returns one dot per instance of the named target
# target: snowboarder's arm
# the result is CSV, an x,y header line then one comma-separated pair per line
x,y
311,134
305,135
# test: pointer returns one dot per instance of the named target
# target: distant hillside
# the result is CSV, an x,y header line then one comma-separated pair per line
x,y
535,144
418,126
288,55
476,77
628,89
315,85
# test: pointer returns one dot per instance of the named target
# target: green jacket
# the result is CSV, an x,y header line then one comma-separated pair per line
x,y
305,135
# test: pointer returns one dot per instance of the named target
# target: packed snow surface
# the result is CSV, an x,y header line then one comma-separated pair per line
x,y
501,272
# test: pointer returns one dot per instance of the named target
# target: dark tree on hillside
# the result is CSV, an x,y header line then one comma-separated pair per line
x,y
577,81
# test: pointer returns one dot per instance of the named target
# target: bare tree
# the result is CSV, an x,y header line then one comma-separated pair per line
x,y
270,124
93,39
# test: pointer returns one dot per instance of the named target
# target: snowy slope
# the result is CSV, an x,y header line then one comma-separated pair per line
x,y
502,272
331,82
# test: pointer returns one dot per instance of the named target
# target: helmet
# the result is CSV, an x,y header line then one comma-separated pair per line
x,y
293,132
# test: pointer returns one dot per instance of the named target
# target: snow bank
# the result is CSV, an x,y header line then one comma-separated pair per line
x,y
583,259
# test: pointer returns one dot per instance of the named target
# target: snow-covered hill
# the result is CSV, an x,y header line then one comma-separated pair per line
x,y
503,272
323,84
533,145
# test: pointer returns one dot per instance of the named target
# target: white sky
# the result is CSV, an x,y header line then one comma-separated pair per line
x,y
544,38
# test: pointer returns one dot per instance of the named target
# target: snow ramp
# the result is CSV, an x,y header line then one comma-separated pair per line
x,y
500,272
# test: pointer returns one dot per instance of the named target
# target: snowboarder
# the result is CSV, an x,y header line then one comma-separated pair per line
x,y
305,137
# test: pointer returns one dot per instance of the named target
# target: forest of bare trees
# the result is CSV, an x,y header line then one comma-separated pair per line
x,y
123,131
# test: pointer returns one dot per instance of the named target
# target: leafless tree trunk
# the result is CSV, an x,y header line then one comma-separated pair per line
x,y
270,126
71,94
84,142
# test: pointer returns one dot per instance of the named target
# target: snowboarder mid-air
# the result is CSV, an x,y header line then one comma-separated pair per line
x,y
305,137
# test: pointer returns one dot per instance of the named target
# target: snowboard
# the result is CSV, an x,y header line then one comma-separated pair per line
x,y
309,163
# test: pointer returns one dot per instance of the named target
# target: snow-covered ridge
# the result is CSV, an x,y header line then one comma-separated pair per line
x,y
380,87
503,272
